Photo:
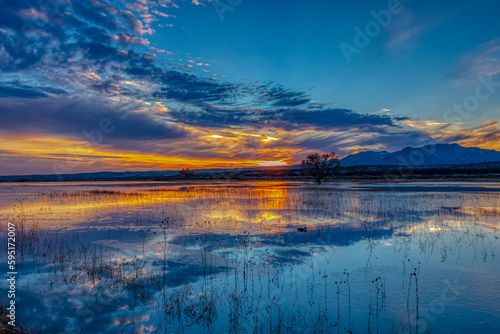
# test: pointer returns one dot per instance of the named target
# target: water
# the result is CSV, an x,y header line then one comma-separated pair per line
x,y
256,257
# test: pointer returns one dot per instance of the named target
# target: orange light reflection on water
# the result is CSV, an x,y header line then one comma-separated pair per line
x,y
229,210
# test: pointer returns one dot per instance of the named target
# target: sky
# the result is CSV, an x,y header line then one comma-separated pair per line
x,y
96,85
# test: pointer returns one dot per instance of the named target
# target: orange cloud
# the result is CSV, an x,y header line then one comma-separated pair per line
x,y
485,135
72,156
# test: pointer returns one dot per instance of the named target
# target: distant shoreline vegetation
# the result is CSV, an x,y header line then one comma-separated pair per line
x,y
488,171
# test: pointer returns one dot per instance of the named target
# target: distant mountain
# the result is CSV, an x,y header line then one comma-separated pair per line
x,y
430,155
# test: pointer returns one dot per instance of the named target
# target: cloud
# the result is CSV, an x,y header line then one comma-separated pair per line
x,y
135,24
93,62
485,135
102,15
136,7
127,39
13,91
94,39
407,27
187,87
167,3
289,119
31,13
155,11
72,117
483,61
279,96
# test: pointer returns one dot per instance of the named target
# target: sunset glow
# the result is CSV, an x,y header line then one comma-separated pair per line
x,y
154,85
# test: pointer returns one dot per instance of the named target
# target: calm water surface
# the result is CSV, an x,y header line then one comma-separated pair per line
x,y
260,257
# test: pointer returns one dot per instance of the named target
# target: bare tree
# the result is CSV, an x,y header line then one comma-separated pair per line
x,y
320,165
186,173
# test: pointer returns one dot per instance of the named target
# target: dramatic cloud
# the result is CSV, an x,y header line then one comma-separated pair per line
x,y
74,118
279,96
15,91
72,65
295,119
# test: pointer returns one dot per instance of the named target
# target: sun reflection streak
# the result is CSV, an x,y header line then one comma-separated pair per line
x,y
74,206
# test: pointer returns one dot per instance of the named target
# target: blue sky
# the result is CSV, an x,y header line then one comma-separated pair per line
x,y
240,83
297,44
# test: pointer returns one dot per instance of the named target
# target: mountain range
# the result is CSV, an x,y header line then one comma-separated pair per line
x,y
430,155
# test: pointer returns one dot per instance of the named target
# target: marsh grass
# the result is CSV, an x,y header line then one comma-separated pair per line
x,y
242,284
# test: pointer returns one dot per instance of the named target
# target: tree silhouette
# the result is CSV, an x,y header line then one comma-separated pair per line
x,y
186,173
320,165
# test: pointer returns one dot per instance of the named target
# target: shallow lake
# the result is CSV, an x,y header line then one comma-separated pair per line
x,y
255,257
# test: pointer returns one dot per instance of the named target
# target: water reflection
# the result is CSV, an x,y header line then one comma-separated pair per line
x,y
256,257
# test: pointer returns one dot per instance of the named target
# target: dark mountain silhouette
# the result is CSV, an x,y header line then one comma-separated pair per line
x,y
430,155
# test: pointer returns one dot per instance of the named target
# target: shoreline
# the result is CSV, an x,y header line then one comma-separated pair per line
x,y
484,172
284,180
